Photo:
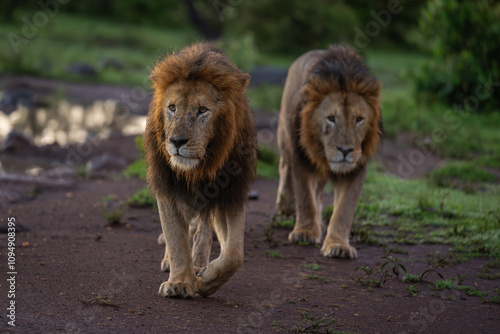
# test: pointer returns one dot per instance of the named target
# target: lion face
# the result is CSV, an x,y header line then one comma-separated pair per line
x,y
342,120
190,110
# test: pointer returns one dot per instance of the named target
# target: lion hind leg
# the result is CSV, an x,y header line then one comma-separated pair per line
x,y
285,197
202,244
308,223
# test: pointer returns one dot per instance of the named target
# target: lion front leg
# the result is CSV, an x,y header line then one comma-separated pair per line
x,y
346,197
230,230
182,280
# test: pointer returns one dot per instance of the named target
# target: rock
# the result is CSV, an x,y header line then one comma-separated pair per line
x,y
253,194
81,69
15,141
12,98
61,173
106,162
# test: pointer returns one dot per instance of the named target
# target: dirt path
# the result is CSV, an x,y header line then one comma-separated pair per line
x,y
70,257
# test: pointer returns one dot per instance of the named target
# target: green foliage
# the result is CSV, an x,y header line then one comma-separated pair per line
x,y
274,254
241,50
78,39
412,289
456,172
445,284
311,324
142,198
465,70
312,266
468,222
265,97
294,26
318,278
112,209
267,165
136,169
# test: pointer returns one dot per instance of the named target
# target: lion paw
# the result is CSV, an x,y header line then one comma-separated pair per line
x,y
176,290
301,235
340,250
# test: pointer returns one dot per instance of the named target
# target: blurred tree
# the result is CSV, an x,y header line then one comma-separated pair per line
x,y
465,70
399,25
291,26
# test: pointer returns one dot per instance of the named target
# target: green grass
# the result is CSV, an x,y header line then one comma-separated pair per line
x,y
412,290
414,211
266,97
70,39
267,165
455,172
136,169
274,254
445,284
312,266
142,198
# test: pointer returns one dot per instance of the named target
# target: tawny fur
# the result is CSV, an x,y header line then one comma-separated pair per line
x,y
212,192
330,102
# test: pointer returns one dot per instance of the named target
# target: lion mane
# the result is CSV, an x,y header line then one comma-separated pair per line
x,y
340,68
231,155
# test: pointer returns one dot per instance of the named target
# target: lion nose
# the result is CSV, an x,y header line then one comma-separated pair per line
x,y
345,151
178,141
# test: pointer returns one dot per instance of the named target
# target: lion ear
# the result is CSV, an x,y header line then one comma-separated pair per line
x,y
244,80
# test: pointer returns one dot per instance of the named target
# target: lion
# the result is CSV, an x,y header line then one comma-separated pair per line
x,y
328,129
201,155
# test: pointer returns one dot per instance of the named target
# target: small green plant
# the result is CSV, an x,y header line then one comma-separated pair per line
x,y
82,171
410,278
312,266
476,293
136,169
366,275
312,324
319,278
495,299
486,271
444,284
412,289
274,254
276,324
112,209
142,198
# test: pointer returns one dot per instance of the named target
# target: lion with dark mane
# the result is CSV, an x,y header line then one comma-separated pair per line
x,y
328,129
201,153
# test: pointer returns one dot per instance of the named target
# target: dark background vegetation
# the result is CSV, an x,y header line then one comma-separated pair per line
x,y
435,183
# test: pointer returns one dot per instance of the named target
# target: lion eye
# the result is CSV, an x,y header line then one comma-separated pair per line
x,y
332,119
202,110
359,119
171,107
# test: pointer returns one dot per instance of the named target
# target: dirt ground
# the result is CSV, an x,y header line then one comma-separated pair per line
x,y
77,274
71,256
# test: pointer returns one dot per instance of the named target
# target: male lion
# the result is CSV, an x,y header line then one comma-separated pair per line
x,y
328,129
201,153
